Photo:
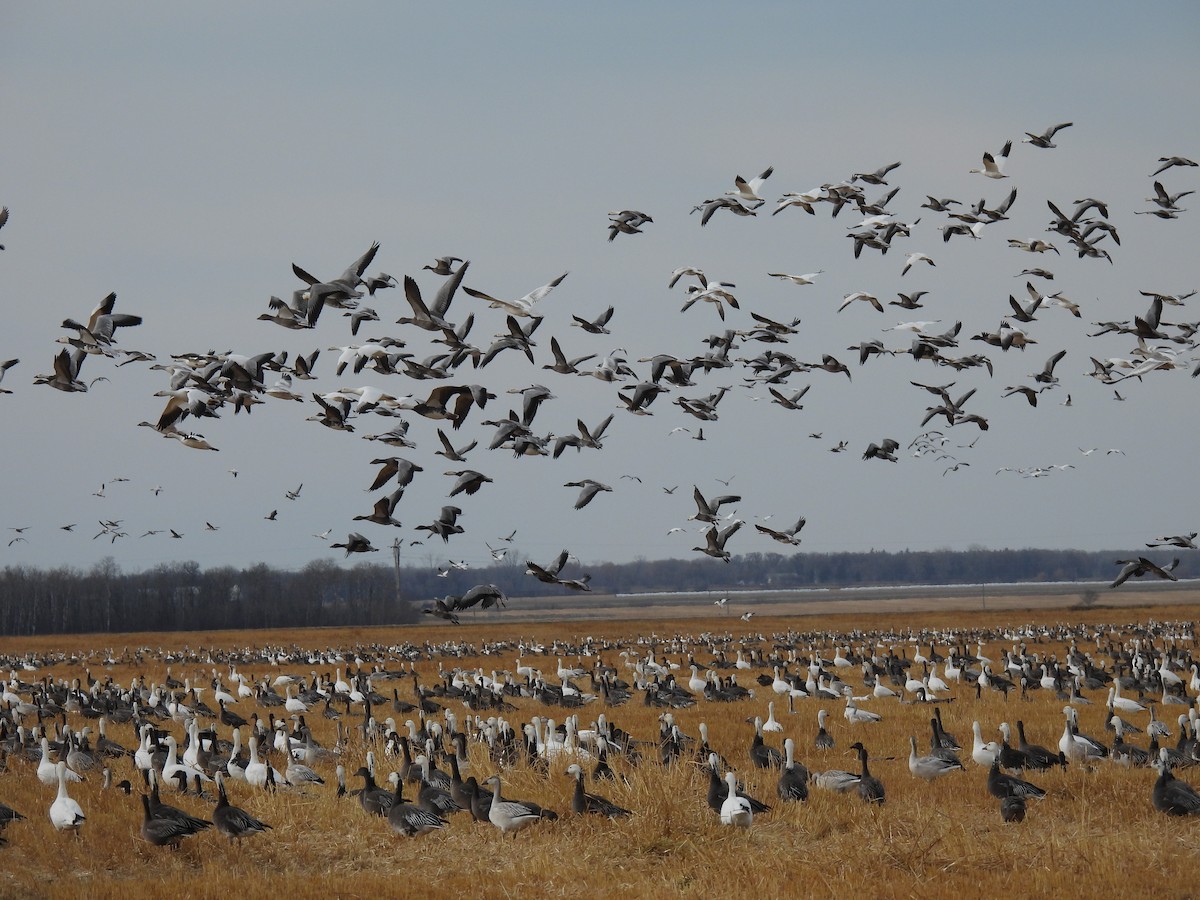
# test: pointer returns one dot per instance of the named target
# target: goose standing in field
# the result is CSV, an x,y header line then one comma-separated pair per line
x,y
172,766
583,803
513,815
856,716
160,810
47,771
167,830
824,740
1001,785
1012,809
65,813
793,780
232,821
1036,756
8,815
929,767
717,792
771,724
761,755
983,754
1075,746
869,788
411,819
374,800
1170,795
735,810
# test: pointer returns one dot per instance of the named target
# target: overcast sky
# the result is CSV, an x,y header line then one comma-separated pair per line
x,y
186,156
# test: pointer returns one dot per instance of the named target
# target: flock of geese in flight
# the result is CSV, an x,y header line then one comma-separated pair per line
x,y
457,734
449,387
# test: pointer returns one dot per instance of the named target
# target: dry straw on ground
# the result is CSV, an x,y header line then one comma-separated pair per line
x,y
1095,832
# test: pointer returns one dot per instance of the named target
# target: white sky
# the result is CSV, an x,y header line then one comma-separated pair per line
x,y
185,157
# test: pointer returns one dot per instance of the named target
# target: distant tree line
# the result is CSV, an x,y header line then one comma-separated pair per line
x,y
181,596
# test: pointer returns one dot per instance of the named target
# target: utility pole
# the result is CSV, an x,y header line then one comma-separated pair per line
x,y
396,566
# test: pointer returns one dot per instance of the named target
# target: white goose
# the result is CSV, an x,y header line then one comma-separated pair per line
x,y
256,770
1124,704
234,767
735,810
772,724
65,813
856,716
983,754
47,771
172,767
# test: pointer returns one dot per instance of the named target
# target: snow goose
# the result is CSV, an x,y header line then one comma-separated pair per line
x,y
1169,795
65,813
583,803
1001,785
869,788
172,766
735,810
1122,704
771,724
166,830
1076,746
232,821
1045,140
993,167
374,800
856,716
793,780
717,792
47,771
255,771
983,754
411,819
512,815
1036,756
824,740
160,810
929,767
836,780
761,755
524,306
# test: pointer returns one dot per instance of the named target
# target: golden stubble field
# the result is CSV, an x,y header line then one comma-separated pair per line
x,y
1095,832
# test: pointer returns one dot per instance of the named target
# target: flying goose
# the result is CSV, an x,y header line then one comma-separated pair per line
x,y
588,489
1136,568
993,168
523,306
748,190
715,539
1045,139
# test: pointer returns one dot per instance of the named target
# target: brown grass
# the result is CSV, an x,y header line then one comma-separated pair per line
x,y
1096,831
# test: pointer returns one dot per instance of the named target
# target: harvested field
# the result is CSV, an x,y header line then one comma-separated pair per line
x,y
1095,827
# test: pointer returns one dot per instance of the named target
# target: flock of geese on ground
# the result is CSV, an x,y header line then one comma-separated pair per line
x,y
227,729
748,354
